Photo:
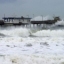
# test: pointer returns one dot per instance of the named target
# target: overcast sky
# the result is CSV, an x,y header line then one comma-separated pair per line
x,y
31,7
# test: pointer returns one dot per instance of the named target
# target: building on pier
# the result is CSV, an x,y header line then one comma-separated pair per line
x,y
16,20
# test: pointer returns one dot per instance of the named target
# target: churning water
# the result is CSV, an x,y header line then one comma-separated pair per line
x,y
21,45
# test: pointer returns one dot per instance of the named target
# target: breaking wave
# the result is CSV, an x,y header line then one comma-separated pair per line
x,y
52,33
25,32
16,32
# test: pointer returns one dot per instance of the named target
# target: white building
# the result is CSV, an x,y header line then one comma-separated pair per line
x,y
16,19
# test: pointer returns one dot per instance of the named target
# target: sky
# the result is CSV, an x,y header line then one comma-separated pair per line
x,y
31,8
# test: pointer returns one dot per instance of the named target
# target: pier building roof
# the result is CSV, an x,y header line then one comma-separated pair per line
x,y
16,17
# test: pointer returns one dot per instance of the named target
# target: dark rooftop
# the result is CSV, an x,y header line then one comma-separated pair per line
x,y
16,18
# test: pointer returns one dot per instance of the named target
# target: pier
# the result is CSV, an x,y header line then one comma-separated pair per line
x,y
9,21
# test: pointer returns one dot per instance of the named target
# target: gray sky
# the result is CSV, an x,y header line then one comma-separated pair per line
x,y
30,7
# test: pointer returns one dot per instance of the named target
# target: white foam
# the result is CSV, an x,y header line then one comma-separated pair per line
x,y
16,50
20,45
31,59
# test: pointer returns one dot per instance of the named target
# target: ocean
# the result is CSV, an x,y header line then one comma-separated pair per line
x,y
32,45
